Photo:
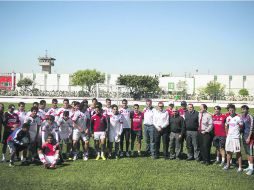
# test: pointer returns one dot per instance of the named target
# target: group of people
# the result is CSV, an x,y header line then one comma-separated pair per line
x,y
42,132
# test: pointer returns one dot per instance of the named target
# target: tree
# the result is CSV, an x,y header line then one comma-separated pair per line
x,y
24,84
243,92
140,86
214,89
87,78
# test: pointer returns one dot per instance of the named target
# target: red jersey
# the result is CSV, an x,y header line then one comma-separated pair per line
x,y
49,149
170,112
219,125
11,119
181,112
99,123
136,121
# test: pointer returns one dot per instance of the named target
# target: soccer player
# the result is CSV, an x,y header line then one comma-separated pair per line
x,y
80,130
42,110
11,122
247,137
136,128
49,126
125,111
49,152
170,109
65,130
108,109
204,134
99,127
233,127
54,109
115,130
183,109
35,122
149,130
219,139
92,108
161,123
19,141
65,107
176,124
21,112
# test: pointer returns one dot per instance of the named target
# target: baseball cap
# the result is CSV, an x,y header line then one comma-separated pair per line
x,y
183,103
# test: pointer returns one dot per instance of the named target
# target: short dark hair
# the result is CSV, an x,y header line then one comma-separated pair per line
x,y
245,107
42,102
54,100
26,125
171,105
228,106
34,108
114,106
231,106
50,135
66,100
94,99
36,103
204,106
217,107
21,104
108,100
98,105
124,100
76,103
136,105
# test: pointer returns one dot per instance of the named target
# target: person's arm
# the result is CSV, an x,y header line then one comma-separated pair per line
x,y
155,122
210,124
121,125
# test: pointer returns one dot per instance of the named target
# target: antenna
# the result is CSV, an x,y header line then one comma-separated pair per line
x,y
46,51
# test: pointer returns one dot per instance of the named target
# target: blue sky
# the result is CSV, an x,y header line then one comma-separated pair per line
x,y
129,37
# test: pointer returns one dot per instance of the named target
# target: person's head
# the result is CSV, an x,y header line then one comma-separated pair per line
x,y
114,109
97,109
66,103
183,104
25,127
190,107
124,103
175,111
148,103
50,119
50,138
11,108
1,107
21,106
160,106
94,102
108,102
54,103
84,105
245,109
66,115
217,110
42,104
77,106
171,106
136,108
228,106
73,104
203,108
34,111
36,104
231,109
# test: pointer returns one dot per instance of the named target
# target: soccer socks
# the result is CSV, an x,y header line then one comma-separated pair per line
x,y
42,158
251,166
217,158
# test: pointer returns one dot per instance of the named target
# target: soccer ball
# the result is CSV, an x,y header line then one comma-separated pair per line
x,y
25,140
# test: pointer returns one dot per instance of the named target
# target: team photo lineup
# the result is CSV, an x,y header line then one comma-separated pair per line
x,y
77,130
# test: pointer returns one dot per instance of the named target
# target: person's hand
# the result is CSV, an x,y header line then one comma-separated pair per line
x,y
86,131
203,132
159,129
248,140
180,136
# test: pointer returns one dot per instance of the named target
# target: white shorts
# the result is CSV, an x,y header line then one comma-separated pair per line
x,y
77,134
233,145
99,135
114,136
51,159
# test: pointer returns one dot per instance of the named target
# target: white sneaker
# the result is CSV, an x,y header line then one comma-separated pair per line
x,y
85,158
3,160
75,157
226,167
250,172
246,169
222,164
239,170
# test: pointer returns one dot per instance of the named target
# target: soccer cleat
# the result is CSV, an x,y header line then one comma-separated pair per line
x,y
226,167
75,157
239,170
121,154
246,169
127,154
85,158
11,164
98,157
103,157
250,172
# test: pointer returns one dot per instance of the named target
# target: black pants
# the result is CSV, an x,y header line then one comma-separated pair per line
x,y
164,133
125,134
205,142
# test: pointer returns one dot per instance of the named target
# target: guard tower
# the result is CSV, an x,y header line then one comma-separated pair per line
x,y
46,63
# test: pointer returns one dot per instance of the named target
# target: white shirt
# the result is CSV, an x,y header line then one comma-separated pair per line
x,y
22,116
126,117
107,111
161,119
148,116
79,120
234,126
65,126
116,123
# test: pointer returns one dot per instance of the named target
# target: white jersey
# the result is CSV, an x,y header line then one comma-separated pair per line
x,y
148,115
35,123
22,116
52,111
79,120
116,123
91,110
60,112
126,117
42,114
47,128
65,127
107,111
234,126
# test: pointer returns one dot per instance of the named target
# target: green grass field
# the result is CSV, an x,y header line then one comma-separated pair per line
x,y
126,173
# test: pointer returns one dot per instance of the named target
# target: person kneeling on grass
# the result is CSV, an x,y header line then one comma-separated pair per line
x,y
19,141
99,127
49,152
